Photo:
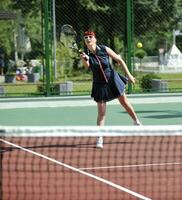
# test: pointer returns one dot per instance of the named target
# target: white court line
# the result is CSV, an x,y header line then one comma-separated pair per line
x,y
131,166
79,171
82,102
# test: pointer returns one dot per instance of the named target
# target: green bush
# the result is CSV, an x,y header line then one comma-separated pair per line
x,y
36,69
146,81
140,53
54,89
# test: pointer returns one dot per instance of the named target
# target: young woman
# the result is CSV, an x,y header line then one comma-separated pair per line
x,y
107,84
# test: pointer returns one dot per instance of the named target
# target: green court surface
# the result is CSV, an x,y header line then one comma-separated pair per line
x,y
152,110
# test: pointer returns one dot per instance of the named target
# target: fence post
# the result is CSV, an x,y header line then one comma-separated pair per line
x,y
46,46
129,42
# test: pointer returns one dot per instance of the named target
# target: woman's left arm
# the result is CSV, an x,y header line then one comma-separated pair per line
x,y
120,62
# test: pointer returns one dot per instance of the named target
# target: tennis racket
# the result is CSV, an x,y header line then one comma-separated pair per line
x,y
68,38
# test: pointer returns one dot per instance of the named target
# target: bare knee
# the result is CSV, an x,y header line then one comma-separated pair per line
x,y
101,113
123,100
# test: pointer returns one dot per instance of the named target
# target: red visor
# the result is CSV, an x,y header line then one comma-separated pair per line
x,y
89,33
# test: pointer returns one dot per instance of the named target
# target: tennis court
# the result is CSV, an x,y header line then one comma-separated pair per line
x,y
63,163
57,158
164,109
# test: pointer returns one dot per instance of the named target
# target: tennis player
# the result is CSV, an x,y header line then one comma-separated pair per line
x,y
107,83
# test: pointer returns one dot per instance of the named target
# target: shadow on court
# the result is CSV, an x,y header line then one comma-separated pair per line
x,y
165,114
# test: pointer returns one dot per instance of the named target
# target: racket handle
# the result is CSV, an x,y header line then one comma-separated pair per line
x,y
85,57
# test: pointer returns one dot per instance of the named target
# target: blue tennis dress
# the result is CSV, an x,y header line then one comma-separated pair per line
x,y
104,88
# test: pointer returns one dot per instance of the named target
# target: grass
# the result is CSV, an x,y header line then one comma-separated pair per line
x,y
174,81
82,84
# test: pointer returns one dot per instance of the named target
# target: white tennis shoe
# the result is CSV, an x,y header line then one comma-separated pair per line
x,y
99,142
137,123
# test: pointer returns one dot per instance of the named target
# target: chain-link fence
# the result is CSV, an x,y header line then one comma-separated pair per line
x,y
158,29
21,47
156,43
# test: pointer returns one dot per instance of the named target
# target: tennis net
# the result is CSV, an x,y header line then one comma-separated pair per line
x,y
47,163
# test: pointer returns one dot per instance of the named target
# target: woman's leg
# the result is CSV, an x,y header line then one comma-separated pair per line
x,y
101,107
100,121
128,107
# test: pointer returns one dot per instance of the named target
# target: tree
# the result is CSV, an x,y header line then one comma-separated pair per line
x,y
154,22
28,15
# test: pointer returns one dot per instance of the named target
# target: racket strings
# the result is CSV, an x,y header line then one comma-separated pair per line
x,y
68,38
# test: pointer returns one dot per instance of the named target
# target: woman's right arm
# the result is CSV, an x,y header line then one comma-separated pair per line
x,y
120,62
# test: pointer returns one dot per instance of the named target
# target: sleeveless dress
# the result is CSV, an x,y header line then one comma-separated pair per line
x,y
104,88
